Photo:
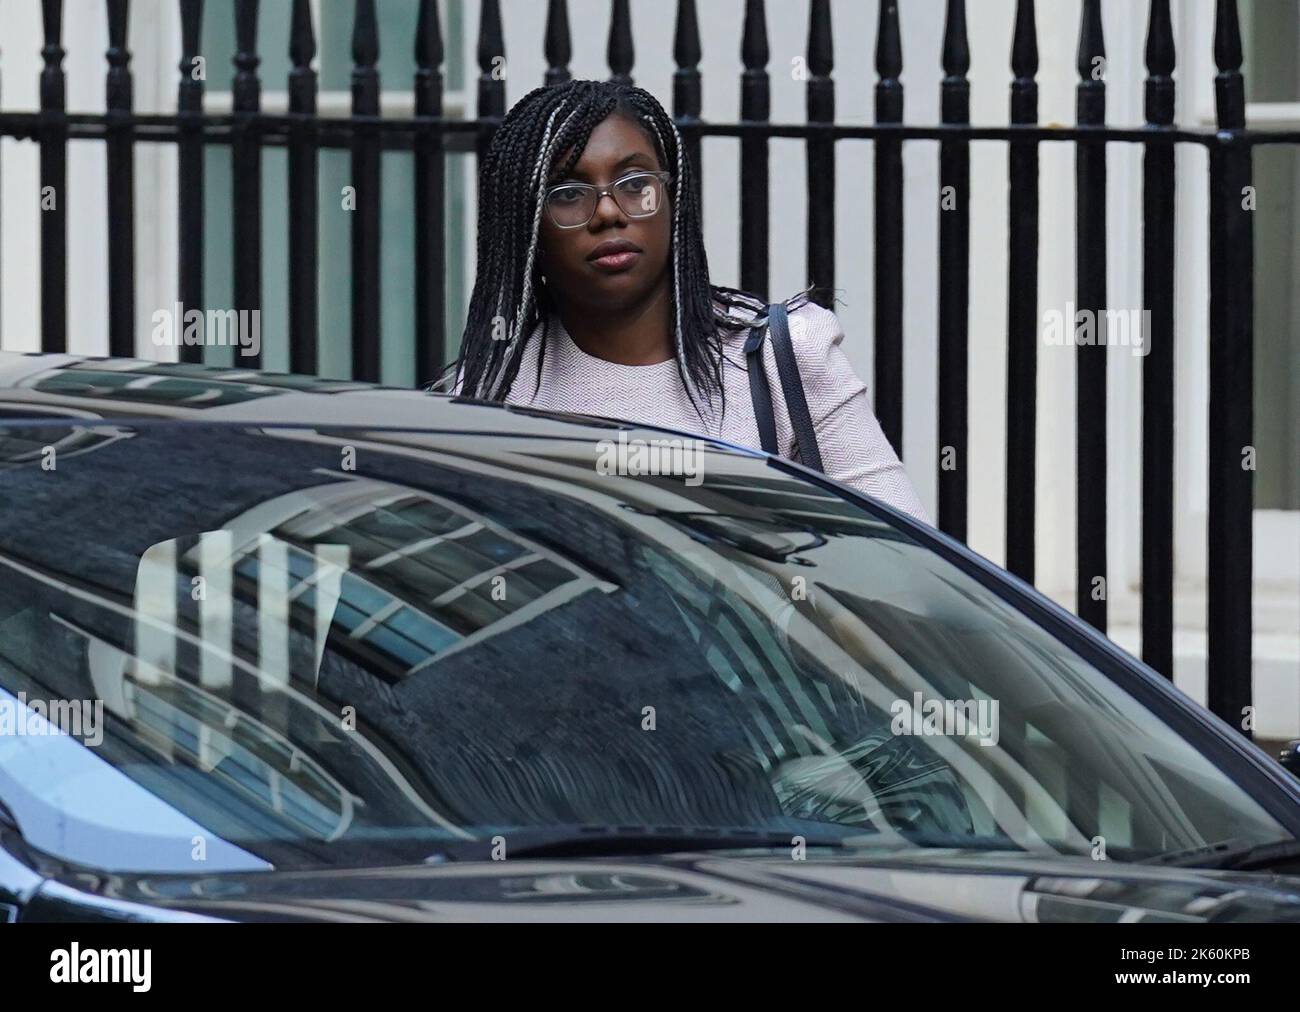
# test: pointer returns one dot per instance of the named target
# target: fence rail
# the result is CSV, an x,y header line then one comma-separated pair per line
x,y
247,130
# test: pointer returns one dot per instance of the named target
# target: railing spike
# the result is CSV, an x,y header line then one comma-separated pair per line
x,y
1160,60
686,35
754,52
491,48
246,34
821,41
191,27
302,37
1229,85
956,45
365,35
1160,40
889,42
1227,37
1092,40
619,51
245,89
1024,44
52,54
429,52
118,15
559,43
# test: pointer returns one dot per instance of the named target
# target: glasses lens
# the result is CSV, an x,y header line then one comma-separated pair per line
x,y
571,205
640,195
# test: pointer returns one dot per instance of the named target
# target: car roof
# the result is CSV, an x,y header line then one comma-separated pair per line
x,y
62,387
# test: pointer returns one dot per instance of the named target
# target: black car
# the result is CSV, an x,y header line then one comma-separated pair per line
x,y
274,648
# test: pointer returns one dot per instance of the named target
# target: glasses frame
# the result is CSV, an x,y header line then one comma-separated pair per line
x,y
605,191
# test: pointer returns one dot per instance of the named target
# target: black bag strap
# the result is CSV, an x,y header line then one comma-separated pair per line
x,y
764,414
787,367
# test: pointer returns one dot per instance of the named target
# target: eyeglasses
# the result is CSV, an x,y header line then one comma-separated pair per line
x,y
638,195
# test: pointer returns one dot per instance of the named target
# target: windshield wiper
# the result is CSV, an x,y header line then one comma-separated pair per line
x,y
1229,855
617,841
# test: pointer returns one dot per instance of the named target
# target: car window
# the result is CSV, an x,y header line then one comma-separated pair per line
x,y
326,646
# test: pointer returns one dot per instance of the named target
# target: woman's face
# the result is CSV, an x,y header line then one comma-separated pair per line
x,y
617,147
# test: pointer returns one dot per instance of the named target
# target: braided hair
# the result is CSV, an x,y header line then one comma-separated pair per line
x,y
508,288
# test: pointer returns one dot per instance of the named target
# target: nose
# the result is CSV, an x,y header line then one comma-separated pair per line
x,y
607,209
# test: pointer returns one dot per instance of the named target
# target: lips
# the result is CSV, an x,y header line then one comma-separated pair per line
x,y
611,251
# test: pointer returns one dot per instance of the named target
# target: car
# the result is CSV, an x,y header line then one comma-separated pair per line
x,y
293,649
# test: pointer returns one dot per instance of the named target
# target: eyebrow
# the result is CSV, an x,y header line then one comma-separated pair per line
x,y
618,165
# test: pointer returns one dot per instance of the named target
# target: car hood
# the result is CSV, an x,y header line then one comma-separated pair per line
x,y
696,887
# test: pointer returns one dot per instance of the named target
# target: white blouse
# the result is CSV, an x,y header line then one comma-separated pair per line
x,y
853,448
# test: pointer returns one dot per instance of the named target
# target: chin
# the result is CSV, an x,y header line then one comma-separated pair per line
x,y
612,291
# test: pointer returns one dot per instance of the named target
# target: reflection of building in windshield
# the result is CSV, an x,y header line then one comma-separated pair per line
x,y
387,578
427,575
265,763
29,444
391,577
210,735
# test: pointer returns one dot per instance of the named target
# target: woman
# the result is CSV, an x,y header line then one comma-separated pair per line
x,y
593,294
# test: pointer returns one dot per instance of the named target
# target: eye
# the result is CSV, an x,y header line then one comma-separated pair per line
x,y
633,185
566,195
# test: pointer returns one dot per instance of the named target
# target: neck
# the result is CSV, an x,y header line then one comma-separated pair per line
x,y
640,334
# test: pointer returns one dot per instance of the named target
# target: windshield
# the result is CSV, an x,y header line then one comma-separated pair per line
x,y
292,647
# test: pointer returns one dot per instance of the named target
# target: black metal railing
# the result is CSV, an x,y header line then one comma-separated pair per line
x,y
433,137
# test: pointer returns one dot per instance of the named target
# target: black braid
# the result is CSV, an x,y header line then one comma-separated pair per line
x,y
512,178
